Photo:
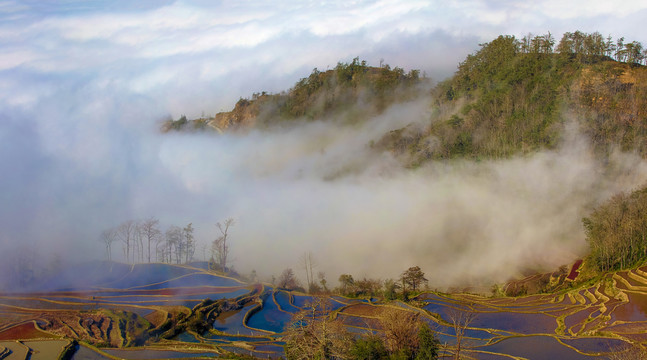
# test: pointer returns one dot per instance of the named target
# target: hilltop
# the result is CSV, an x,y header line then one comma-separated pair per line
x,y
353,90
510,97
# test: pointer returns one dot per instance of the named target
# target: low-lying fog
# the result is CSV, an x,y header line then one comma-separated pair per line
x,y
84,87
314,187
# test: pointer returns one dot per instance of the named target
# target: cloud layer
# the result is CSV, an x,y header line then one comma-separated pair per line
x,y
195,56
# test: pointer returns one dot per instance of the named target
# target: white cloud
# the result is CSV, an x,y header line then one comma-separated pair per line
x,y
578,9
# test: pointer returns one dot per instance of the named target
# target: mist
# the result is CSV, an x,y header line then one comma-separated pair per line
x,y
317,187
320,188
84,89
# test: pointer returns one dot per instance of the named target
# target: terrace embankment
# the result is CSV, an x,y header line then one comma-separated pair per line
x,y
579,320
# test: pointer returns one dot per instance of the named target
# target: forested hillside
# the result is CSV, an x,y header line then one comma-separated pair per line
x,y
617,232
330,93
512,96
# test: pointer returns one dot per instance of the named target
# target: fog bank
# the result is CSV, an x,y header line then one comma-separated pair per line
x,y
84,87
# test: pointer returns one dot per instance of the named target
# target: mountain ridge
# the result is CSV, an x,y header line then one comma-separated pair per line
x,y
504,99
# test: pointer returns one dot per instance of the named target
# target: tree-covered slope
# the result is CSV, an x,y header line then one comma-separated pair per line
x,y
511,97
617,232
332,93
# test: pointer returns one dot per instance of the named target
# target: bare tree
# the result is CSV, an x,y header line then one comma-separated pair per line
x,y
126,233
400,330
138,244
203,250
220,247
150,232
460,320
189,243
314,334
347,283
308,264
173,237
322,280
287,280
107,237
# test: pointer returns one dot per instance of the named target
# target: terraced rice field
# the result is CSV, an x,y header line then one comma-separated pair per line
x,y
114,314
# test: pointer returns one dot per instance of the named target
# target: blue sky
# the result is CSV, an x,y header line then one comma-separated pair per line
x,y
84,85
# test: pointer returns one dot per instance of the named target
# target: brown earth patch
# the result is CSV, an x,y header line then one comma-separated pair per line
x,y
157,317
362,310
25,331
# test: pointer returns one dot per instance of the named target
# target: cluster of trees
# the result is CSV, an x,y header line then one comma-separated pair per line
x,y
410,282
144,241
324,93
510,97
539,44
584,46
590,46
507,98
616,232
315,334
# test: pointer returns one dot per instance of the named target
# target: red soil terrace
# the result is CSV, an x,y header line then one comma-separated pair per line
x,y
574,270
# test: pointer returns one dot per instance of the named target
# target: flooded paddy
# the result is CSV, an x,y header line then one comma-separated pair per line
x,y
634,310
594,345
536,348
18,350
572,324
283,299
85,353
522,323
233,322
270,317
45,350
143,354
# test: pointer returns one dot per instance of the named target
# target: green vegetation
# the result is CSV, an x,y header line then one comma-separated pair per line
x,y
617,232
413,278
320,95
514,96
510,97
408,286
325,93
